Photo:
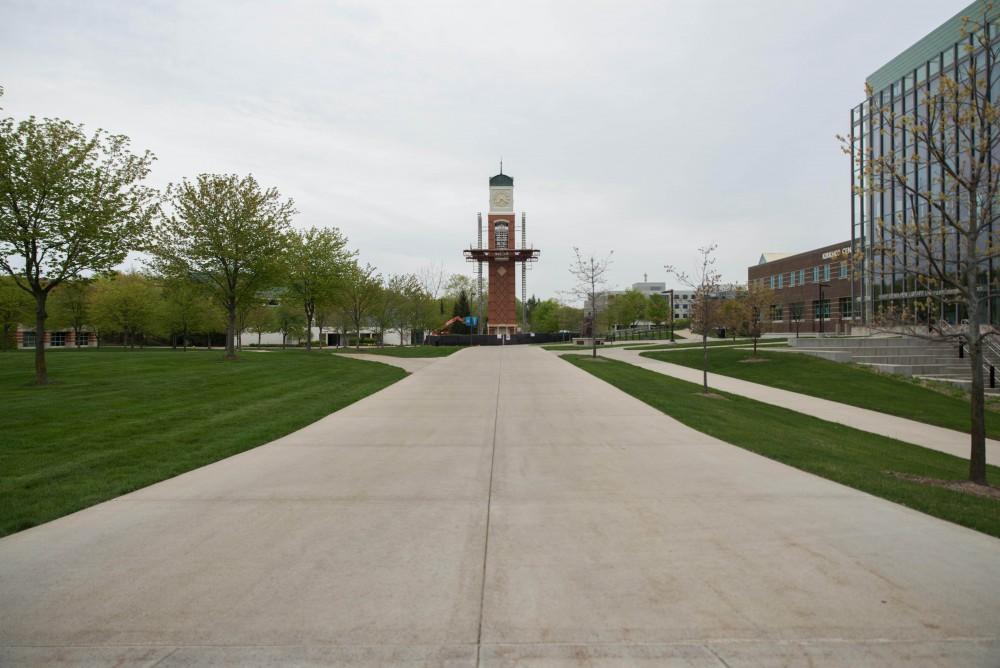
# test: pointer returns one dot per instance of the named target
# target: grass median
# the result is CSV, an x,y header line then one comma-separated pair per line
x,y
113,422
847,383
403,351
855,458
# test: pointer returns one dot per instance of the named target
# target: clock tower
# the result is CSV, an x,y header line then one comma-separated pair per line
x,y
501,255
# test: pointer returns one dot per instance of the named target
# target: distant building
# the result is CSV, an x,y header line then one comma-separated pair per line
x,y
810,288
26,337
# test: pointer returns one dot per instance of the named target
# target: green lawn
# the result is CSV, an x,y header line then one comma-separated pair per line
x,y
855,458
572,346
113,422
712,343
404,351
846,383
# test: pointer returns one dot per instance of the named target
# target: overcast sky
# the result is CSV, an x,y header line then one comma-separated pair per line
x,y
647,128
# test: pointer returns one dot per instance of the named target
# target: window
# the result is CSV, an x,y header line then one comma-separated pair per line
x,y
845,307
82,339
843,269
776,312
780,280
791,279
28,339
796,310
821,309
772,281
802,276
57,339
815,274
826,272
500,234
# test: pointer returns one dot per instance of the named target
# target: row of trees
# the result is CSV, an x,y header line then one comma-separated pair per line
x,y
73,205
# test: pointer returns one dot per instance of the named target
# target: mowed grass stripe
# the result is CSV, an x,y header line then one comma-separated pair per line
x,y
845,383
848,456
117,421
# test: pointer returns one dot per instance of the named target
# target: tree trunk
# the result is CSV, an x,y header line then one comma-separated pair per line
x,y
231,333
977,456
258,338
357,341
704,357
41,370
309,332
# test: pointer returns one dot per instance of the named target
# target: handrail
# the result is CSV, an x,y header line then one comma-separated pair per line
x,y
991,349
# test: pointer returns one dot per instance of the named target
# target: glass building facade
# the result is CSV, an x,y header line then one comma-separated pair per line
x,y
879,213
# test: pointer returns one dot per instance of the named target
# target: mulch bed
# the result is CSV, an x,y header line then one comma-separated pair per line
x,y
964,486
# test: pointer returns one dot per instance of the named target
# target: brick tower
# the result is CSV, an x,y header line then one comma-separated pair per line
x,y
501,255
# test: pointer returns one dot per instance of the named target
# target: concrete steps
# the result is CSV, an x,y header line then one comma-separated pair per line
x,y
905,356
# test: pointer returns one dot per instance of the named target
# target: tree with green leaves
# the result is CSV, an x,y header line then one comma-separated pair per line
x,y
187,309
461,309
127,304
288,317
70,202
71,304
227,231
545,316
260,319
658,309
16,306
359,294
317,259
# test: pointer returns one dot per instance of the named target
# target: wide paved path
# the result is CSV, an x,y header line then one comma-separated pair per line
x,y
500,508
910,431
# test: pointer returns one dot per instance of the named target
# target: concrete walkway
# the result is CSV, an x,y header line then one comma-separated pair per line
x,y
410,364
499,508
910,431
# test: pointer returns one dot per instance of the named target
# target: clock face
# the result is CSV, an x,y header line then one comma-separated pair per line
x,y
501,199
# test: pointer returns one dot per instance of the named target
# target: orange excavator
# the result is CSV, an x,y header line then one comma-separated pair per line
x,y
443,329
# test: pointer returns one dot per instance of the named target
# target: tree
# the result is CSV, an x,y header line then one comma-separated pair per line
x,y
461,310
545,316
69,203
590,274
733,315
360,291
404,290
290,322
795,312
316,260
658,309
187,308
127,304
705,283
71,304
940,163
15,308
630,307
227,230
261,319
757,299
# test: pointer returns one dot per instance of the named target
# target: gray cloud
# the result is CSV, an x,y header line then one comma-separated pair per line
x,y
650,128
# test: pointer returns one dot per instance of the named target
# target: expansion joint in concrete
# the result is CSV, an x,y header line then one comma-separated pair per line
x,y
489,502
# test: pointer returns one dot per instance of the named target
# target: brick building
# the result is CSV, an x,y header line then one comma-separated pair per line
x,y
25,337
813,291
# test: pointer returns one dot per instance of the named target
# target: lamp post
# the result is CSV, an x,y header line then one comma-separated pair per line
x,y
820,305
671,291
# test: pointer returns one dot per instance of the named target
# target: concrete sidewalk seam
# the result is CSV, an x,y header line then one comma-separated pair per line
x,y
489,503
